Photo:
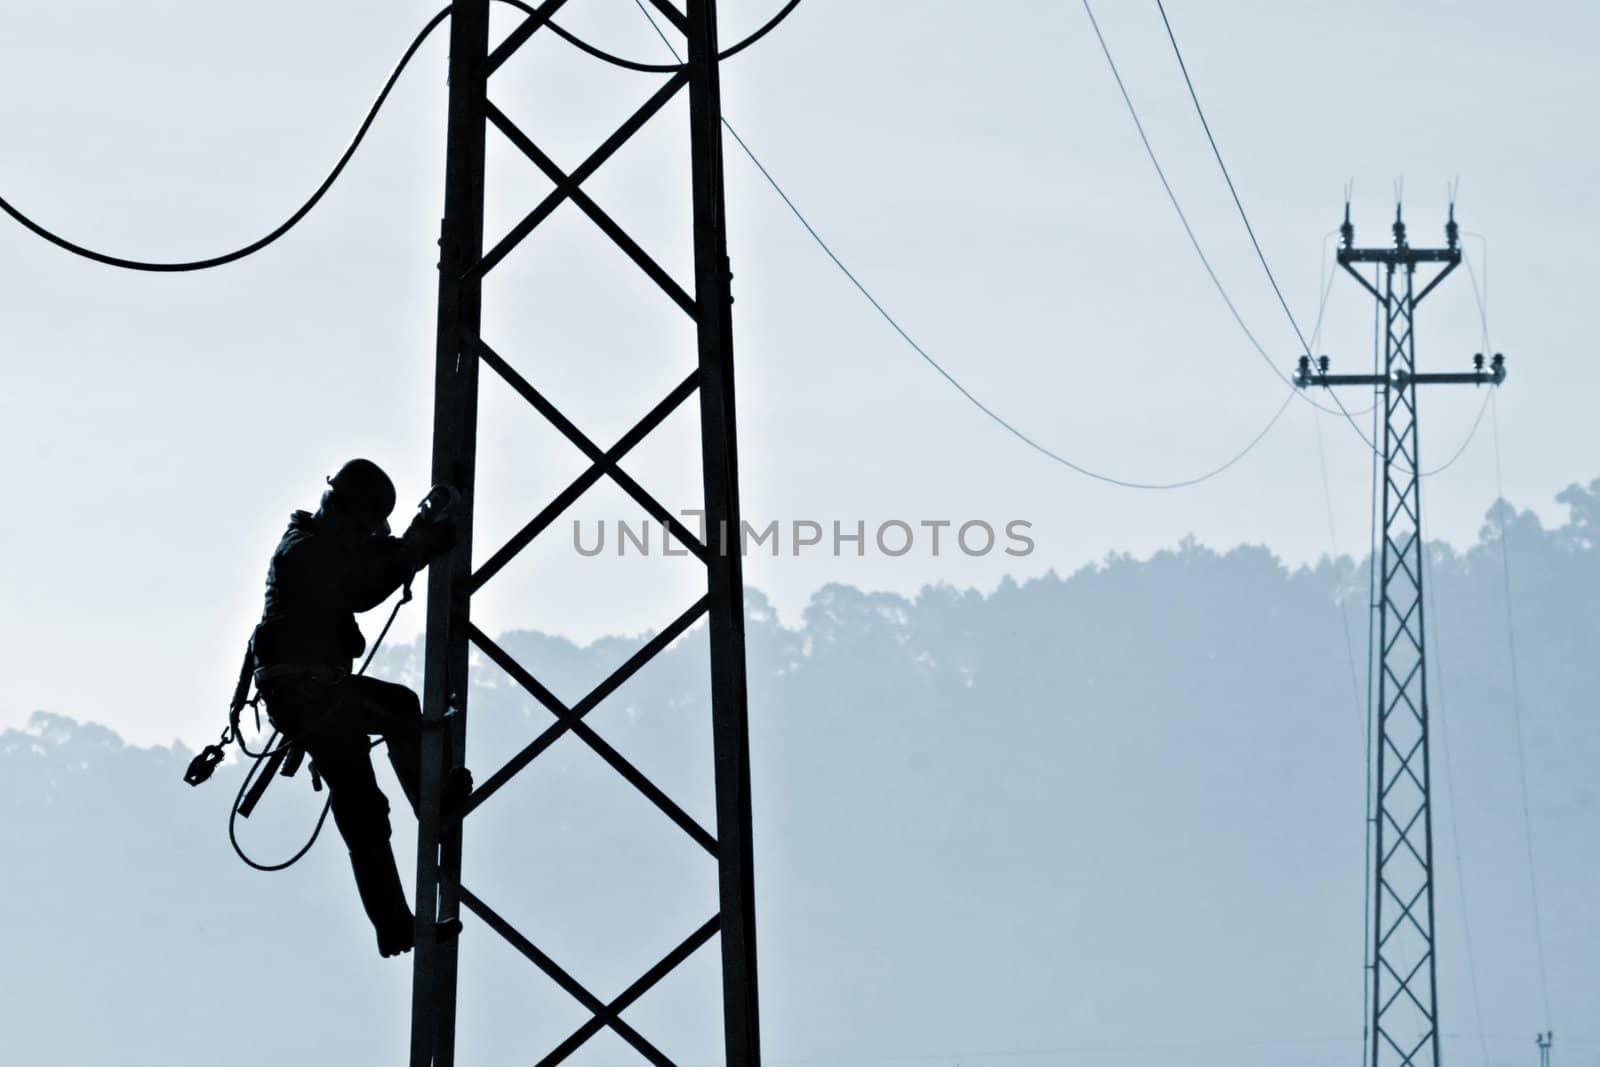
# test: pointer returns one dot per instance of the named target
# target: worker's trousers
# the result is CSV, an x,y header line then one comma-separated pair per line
x,y
333,721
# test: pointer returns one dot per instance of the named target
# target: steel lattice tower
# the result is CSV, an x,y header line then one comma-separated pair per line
x,y
461,353
1403,1020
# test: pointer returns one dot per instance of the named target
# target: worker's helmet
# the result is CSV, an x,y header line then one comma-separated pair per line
x,y
363,490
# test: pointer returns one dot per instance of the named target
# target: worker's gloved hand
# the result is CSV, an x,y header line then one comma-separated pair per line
x,y
439,537
429,538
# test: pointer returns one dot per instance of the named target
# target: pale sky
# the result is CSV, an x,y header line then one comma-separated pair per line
x,y
979,173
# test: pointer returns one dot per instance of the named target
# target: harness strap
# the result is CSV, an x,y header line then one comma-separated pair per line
x,y
310,672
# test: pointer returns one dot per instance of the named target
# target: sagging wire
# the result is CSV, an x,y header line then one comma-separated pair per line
x,y
905,336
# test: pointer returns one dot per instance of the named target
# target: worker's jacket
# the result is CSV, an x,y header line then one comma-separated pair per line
x,y
318,580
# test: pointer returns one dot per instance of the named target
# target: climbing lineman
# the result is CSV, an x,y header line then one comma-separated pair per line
x,y
328,567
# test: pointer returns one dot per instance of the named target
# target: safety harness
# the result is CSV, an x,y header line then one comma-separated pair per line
x,y
276,760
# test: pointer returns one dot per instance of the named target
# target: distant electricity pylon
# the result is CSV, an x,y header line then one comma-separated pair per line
x,y
462,351
1544,1041
1403,1020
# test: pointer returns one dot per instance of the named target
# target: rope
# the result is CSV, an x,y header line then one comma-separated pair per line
x,y
233,823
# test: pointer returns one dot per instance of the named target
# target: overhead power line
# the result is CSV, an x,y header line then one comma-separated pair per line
x,y
966,393
1245,217
1200,111
1183,217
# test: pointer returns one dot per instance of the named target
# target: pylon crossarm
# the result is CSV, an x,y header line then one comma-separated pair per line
x,y
568,496
563,190
553,732
586,204
571,432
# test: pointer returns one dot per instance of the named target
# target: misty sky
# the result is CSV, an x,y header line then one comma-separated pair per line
x,y
981,174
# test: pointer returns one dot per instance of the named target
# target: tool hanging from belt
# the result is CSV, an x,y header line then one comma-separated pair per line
x,y
276,760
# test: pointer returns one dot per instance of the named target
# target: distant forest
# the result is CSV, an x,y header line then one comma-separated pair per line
x,y
1112,817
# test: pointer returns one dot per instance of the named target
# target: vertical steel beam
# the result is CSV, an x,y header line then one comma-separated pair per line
x,y
455,422
719,459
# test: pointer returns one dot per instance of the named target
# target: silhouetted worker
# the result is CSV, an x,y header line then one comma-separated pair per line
x,y
328,567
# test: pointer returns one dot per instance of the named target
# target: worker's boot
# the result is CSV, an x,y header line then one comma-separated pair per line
x,y
383,898
457,788
405,756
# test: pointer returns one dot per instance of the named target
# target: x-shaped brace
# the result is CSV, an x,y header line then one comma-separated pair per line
x,y
603,1014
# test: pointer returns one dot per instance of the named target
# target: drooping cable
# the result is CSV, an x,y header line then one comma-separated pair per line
x,y
184,266
980,405
1480,296
657,68
262,242
938,367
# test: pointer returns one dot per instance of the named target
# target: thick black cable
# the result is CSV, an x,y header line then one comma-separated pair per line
x,y
262,242
657,68
47,234
919,350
